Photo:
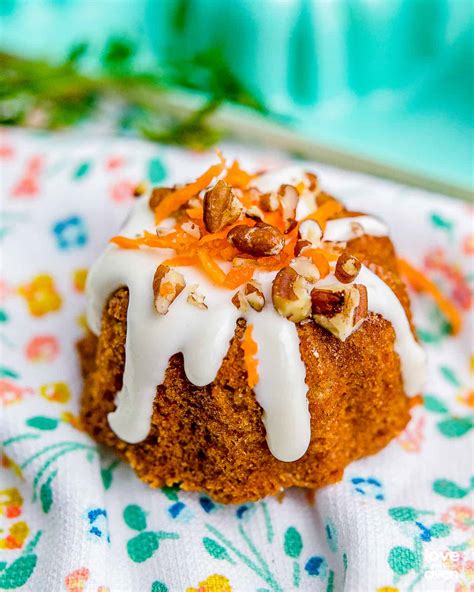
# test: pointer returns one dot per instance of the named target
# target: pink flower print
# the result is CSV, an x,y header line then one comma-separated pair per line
x,y
122,191
76,580
114,162
12,393
43,348
461,517
28,185
468,245
6,151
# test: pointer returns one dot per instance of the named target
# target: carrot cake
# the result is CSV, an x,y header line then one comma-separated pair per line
x,y
247,333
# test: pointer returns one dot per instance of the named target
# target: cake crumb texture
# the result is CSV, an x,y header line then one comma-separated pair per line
x,y
212,438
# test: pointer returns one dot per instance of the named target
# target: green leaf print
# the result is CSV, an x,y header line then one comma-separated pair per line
x,y
449,375
434,404
215,550
17,573
293,543
402,560
450,489
3,316
82,170
142,547
8,373
46,493
156,171
440,530
159,587
42,423
135,517
455,427
442,223
171,492
403,514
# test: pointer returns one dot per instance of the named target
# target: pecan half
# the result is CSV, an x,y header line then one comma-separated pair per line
x,y
289,200
261,240
290,296
269,202
345,313
255,213
310,231
347,268
327,302
250,295
306,268
167,285
221,207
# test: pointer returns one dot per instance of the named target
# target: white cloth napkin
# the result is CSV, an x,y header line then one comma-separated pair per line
x,y
74,518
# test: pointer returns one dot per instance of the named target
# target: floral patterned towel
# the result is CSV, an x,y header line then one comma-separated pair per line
x,y
74,518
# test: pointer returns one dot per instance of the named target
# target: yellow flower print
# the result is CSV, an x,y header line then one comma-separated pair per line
x,y
17,534
57,392
79,278
387,589
10,502
214,583
41,295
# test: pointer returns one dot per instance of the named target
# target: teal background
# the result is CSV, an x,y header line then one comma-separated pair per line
x,y
388,79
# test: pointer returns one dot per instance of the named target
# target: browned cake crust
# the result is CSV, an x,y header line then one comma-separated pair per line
x,y
212,438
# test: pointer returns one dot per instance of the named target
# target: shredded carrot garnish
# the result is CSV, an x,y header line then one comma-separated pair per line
x,y
181,261
318,257
125,243
195,213
238,276
275,219
421,283
210,267
330,208
250,348
237,177
179,197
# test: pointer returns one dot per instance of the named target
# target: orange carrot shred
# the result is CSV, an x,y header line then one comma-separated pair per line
x,y
125,243
325,212
250,348
238,276
237,177
210,267
319,259
181,261
195,213
421,283
180,196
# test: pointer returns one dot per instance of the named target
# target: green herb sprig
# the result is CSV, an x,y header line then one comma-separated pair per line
x,y
39,94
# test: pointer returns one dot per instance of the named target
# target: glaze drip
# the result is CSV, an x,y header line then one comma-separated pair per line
x,y
203,336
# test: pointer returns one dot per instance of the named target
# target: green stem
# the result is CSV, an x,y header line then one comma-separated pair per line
x,y
19,438
53,459
42,451
254,550
268,522
270,581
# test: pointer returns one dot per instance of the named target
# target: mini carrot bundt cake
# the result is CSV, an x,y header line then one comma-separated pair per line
x,y
247,334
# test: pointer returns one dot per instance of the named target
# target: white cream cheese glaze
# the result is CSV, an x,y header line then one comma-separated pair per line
x,y
346,229
203,336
